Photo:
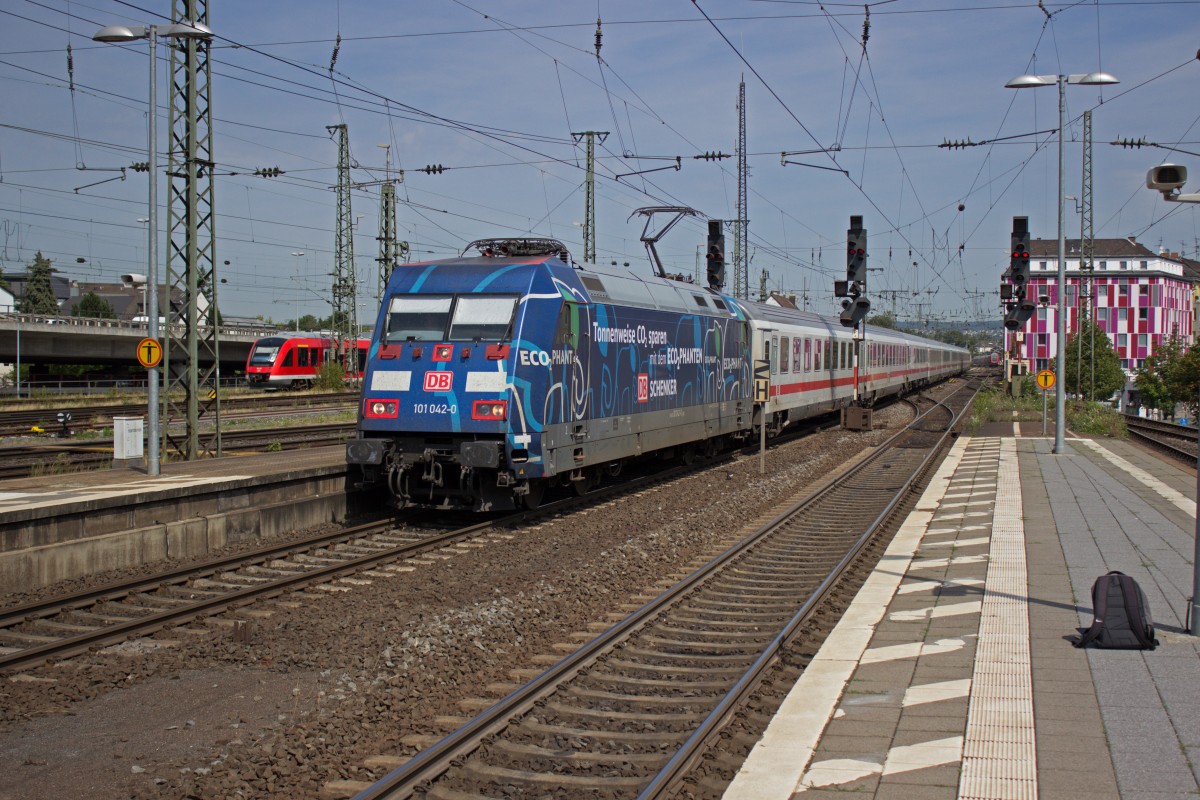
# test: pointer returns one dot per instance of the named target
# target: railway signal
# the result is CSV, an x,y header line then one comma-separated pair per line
x,y
856,254
1020,305
854,311
715,257
855,307
1018,265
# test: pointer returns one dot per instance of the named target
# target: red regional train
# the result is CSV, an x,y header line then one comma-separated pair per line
x,y
288,360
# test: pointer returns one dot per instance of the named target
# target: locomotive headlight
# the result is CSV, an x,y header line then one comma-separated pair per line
x,y
380,409
495,410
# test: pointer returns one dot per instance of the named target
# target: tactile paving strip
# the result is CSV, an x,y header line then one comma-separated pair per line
x,y
999,755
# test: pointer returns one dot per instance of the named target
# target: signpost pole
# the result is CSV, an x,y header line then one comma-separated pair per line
x,y
1045,394
1045,381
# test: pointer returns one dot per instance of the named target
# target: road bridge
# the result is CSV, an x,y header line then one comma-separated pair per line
x,y
41,339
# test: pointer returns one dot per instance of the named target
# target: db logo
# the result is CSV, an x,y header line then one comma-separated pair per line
x,y
643,387
438,381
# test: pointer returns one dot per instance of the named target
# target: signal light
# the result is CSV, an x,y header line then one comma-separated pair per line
x,y
856,252
853,311
1019,260
715,258
381,409
495,410
432,169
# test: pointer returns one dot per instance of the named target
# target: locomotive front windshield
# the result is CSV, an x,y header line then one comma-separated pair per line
x,y
265,352
458,318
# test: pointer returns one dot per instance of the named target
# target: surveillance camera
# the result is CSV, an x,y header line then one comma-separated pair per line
x,y
133,279
1044,299
1166,178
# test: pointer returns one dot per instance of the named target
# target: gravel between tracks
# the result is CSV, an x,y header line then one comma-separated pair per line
x,y
331,677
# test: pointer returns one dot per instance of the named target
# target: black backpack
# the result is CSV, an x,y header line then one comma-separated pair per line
x,y
1122,616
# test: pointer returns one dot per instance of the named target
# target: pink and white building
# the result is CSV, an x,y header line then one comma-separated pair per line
x,y
1141,298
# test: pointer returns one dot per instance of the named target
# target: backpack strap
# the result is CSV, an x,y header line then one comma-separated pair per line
x,y
1099,610
1135,609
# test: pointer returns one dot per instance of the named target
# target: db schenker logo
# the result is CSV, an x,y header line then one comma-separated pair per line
x,y
643,387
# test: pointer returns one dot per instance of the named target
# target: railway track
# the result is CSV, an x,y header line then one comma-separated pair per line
x,y
18,423
25,460
1179,441
631,712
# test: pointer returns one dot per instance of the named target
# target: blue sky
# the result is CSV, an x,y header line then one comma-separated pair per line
x,y
493,90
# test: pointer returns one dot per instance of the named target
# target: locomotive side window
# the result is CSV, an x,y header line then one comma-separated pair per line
x,y
418,318
483,318
566,330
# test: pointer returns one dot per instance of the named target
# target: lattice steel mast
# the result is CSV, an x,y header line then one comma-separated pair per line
x,y
589,193
391,252
191,354
741,250
1087,249
344,322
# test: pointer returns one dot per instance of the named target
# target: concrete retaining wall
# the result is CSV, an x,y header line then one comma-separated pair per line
x,y
38,551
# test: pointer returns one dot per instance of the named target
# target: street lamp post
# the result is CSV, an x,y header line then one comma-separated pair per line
x,y
120,34
1169,179
1060,328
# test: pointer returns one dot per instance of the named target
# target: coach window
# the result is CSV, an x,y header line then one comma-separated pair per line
x,y
783,354
483,318
302,356
816,355
418,318
808,355
288,360
797,357
773,355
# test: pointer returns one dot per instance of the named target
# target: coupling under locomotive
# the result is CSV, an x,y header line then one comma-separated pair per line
x,y
496,374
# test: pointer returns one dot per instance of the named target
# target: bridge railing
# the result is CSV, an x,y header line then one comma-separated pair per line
x,y
240,329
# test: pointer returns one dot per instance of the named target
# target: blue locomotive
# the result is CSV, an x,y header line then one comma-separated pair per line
x,y
494,376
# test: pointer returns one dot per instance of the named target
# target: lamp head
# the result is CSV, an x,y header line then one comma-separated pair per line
x,y
1030,81
119,33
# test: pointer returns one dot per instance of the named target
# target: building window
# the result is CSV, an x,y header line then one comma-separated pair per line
x,y
1103,265
1122,340
1143,340
1122,315
1144,288
1124,265
1144,264
1041,265
1143,313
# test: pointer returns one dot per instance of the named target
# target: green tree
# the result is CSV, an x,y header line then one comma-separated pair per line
x,y
885,320
93,305
1109,378
39,292
1162,379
